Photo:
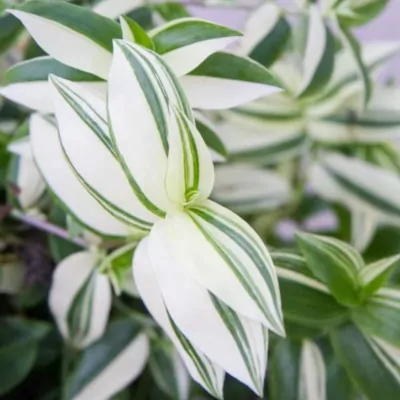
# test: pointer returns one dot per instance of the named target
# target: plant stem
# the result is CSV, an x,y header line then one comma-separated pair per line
x,y
139,317
47,227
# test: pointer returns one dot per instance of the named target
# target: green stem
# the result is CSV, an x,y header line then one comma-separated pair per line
x,y
139,317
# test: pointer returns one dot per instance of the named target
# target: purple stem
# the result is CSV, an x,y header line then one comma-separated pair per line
x,y
47,227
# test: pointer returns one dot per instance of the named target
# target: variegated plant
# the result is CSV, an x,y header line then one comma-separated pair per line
x,y
145,141
148,169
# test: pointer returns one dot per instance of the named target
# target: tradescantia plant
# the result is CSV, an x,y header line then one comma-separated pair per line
x,y
167,161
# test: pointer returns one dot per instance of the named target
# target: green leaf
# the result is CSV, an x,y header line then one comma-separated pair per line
x,y
319,55
133,32
18,348
335,263
168,371
170,10
266,34
10,29
79,32
297,371
380,315
351,43
305,300
210,136
372,364
110,364
361,12
376,274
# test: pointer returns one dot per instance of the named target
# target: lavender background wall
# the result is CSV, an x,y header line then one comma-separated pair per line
x,y
385,27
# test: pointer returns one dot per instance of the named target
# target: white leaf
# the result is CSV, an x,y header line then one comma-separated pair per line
x,y
247,189
85,138
64,184
71,47
114,8
80,299
201,369
190,170
206,321
363,227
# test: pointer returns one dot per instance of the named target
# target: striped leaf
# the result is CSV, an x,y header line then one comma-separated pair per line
x,y
254,135
168,371
114,8
372,363
297,371
266,34
225,80
190,171
319,55
79,32
120,355
305,300
200,367
359,12
133,32
376,274
370,127
83,129
144,155
346,74
247,189
350,42
26,83
211,137
186,42
80,299
63,183
335,263
358,185
24,174
380,315
238,343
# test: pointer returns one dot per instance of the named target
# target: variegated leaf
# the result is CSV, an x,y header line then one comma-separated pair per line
x,y
201,368
144,155
363,227
358,185
246,189
169,371
121,354
240,261
27,83
335,263
238,344
24,174
345,74
266,33
255,134
114,8
186,42
380,376
79,32
80,299
319,55
225,80
305,300
380,315
83,129
297,372
65,186
190,171
374,275
133,32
